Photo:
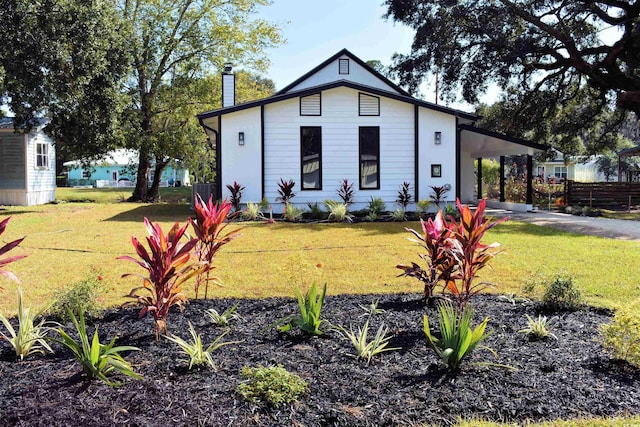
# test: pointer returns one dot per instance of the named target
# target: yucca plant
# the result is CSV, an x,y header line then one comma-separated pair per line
x,y
30,337
198,355
292,213
470,253
6,248
538,328
168,264
457,339
97,360
224,318
398,215
209,227
435,238
253,212
372,309
368,349
310,305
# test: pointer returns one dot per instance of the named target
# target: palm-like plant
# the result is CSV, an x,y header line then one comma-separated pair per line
x,y
30,337
168,265
97,359
6,248
198,355
310,305
366,349
209,227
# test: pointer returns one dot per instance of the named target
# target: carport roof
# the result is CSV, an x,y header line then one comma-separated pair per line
x,y
633,151
485,143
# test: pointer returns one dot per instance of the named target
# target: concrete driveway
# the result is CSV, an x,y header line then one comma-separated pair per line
x,y
603,227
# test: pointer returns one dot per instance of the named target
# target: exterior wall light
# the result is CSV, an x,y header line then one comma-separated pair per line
x,y
240,138
437,138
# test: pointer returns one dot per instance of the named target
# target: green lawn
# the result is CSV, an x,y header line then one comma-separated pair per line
x,y
115,195
633,215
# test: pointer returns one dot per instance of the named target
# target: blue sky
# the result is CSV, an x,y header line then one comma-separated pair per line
x,y
317,29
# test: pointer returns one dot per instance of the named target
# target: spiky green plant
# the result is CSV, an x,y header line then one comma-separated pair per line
x,y
338,212
368,349
30,337
310,305
198,355
224,318
538,328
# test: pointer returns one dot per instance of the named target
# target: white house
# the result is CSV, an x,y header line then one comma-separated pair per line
x,y
27,165
344,120
575,168
118,169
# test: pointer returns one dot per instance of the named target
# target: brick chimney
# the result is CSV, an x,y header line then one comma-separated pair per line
x,y
228,87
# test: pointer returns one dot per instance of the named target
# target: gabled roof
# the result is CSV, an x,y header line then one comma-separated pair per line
x,y
7,122
633,151
339,83
359,61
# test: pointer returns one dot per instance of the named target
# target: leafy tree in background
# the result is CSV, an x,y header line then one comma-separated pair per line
x,y
547,55
175,46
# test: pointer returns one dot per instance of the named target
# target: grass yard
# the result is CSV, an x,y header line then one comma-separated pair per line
x,y
66,242
634,215
115,195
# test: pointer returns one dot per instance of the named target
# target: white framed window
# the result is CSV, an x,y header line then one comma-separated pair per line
x,y
42,155
368,105
311,105
560,172
343,66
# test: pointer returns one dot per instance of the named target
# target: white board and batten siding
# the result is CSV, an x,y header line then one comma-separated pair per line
x,y
41,181
333,72
340,122
242,163
430,153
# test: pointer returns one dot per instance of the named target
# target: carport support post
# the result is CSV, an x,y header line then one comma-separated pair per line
x,y
479,178
529,179
502,198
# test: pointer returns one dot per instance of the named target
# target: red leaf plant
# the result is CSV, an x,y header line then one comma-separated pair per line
x,y
168,264
435,239
209,225
6,248
454,252
470,254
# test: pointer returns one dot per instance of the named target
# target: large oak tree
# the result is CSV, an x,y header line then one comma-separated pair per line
x,y
546,55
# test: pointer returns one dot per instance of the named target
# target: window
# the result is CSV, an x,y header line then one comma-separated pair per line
x,y
343,66
311,105
368,105
86,173
42,155
311,157
369,157
560,172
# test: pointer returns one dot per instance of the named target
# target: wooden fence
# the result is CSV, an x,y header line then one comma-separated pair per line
x,y
603,194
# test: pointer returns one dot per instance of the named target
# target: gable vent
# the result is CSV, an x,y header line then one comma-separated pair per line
x,y
310,105
369,105
343,66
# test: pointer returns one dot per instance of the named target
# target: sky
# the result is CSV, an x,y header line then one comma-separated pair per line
x,y
317,29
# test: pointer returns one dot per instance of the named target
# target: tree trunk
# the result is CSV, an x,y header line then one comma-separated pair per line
x,y
140,193
152,195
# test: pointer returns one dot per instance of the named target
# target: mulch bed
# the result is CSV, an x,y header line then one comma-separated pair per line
x,y
564,378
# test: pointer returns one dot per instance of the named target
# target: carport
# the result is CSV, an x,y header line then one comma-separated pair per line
x,y
476,144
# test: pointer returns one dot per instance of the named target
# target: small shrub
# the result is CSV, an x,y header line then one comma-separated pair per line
x,y
371,217
372,309
236,195
315,211
292,213
97,360
198,355
338,211
376,206
264,204
422,206
253,212
345,192
561,294
285,190
83,295
438,194
621,337
404,195
272,385
538,328
30,337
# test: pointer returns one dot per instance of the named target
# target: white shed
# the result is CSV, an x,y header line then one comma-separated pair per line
x,y
27,165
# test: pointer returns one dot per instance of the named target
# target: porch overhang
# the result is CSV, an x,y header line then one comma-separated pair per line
x,y
480,143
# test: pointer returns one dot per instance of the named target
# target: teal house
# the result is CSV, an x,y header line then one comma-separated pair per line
x,y
118,169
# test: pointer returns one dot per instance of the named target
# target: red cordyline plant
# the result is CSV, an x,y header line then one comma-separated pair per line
x,y
6,248
454,252
470,253
209,226
168,264
436,240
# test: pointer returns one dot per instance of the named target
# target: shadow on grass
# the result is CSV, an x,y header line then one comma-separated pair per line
x,y
517,227
154,212
371,228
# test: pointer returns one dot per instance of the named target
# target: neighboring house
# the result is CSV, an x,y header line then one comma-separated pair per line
x,y
344,120
27,165
118,169
579,168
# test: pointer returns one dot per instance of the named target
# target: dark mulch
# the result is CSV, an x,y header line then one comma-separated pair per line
x,y
567,378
